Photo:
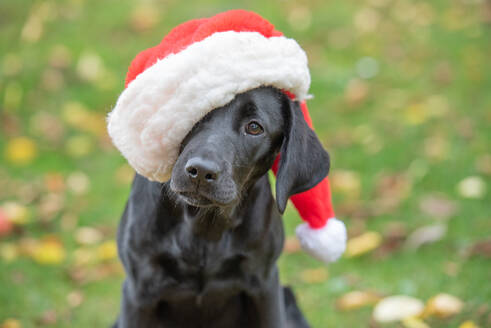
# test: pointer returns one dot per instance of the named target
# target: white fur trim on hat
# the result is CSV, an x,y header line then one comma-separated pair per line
x,y
327,243
162,104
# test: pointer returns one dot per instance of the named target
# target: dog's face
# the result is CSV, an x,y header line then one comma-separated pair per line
x,y
231,147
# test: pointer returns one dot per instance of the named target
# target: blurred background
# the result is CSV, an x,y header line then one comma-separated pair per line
x,y
402,103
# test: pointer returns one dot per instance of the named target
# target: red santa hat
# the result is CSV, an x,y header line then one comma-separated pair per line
x,y
202,65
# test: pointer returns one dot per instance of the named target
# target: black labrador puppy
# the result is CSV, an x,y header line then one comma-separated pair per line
x,y
201,249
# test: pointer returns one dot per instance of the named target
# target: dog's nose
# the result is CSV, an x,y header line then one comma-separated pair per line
x,y
199,169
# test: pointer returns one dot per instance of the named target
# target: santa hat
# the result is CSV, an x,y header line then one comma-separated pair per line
x,y
202,65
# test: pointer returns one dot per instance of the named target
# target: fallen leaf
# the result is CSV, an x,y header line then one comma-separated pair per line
x,y
437,206
88,236
6,225
300,17
75,298
393,238
396,308
436,148
60,57
468,324
413,322
357,299
49,251
443,306
144,17
347,182
54,182
313,276
15,212
482,248
356,92
47,126
391,189
292,245
483,164
78,183
472,187
90,66
107,250
50,205
49,317
8,252
11,323
79,146
21,151
362,244
426,235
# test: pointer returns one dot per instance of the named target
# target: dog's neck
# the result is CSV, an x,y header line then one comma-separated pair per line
x,y
212,222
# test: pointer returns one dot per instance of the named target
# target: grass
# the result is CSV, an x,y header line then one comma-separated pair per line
x,y
419,120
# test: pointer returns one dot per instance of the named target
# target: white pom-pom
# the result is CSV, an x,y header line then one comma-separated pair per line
x,y
327,243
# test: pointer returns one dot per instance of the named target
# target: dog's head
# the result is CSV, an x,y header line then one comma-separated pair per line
x,y
231,147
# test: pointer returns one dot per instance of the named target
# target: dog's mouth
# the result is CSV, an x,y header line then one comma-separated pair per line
x,y
197,200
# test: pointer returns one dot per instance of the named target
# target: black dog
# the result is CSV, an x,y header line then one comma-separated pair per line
x,y
201,249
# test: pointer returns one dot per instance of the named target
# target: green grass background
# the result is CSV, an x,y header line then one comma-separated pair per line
x,y
422,49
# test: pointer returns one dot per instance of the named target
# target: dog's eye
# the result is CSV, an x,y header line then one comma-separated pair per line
x,y
254,128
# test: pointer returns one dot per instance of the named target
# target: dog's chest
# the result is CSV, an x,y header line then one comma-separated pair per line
x,y
196,270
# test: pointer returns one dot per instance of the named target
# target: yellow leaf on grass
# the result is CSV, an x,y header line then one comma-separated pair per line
x,y
15,212
107,250
468,324
11,323
314,275
20,151
413,322
443,306
49,251
362,244
356,299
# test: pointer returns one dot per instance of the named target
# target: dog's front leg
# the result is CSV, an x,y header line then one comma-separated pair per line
x,y
133,315
269,302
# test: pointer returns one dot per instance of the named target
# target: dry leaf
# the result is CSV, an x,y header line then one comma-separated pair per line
x,y
482,248
443,306
48,317
292,245
11,323
49,251
426,235
15,212
362,244
313,276
88,236
468,324
413,322
356,92
357,299
472,187
6,225
8,252
75,298
347,182
90,66
107,251
438,206
79,146
144,17
60,57
21,151
78,183
396,308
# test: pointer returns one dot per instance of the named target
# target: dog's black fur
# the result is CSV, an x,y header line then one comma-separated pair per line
x,y
201,249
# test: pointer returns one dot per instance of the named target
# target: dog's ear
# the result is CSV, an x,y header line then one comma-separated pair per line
x,y
303,161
